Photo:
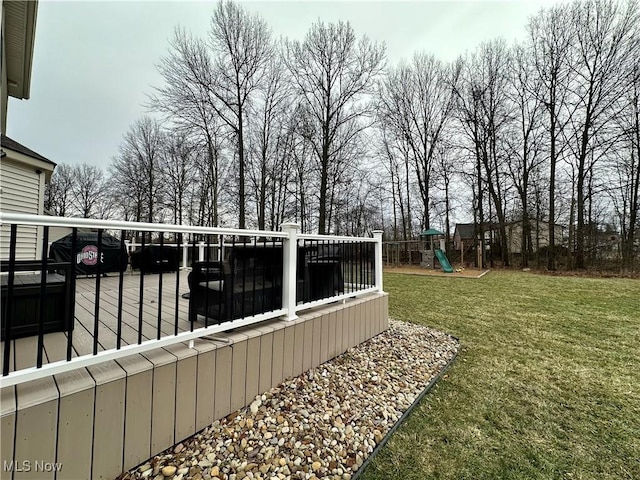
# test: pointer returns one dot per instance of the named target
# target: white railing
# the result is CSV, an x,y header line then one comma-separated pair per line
x,y
132,245
289,237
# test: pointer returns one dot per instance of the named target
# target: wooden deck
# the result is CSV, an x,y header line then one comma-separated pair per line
x,y
23,351
97,421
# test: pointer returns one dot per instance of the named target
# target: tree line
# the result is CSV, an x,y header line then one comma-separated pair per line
x,y
248,130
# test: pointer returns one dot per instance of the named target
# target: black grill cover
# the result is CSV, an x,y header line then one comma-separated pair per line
x,y
113,259
154,259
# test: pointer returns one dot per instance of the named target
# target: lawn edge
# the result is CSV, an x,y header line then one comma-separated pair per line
x,y
406,413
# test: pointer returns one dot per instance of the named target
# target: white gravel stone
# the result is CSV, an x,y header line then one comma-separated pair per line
x,y
322,424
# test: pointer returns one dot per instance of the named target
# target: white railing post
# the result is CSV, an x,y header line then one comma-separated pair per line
x,y
185,254
289,259
201,251
377,234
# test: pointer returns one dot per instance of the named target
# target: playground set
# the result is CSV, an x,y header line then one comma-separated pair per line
x,y
425,252
433,257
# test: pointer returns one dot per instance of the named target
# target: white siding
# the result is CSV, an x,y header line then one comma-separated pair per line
x,y
20,193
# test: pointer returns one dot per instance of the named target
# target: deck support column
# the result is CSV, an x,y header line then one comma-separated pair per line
x,y
289,254
377,234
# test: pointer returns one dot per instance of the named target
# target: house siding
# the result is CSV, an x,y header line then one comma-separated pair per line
x,y
539,236
22,191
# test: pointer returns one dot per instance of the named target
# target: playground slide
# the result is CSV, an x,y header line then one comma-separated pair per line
x,y
444,261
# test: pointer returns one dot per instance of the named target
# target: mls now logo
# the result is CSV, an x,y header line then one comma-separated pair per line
x,y
29,466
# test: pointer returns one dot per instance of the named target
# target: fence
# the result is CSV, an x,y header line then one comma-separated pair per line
x,y
241,277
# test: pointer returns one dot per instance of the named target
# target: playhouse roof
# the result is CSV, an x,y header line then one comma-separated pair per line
x,y
430,232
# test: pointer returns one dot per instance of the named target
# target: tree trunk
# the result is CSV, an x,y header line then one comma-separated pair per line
x,y
551,247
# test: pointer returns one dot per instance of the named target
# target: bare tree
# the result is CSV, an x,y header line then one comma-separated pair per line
x,y
416,103
58,192
483,113
241,45
177,175
606,39
551,38
625,170
395,159
269,168
136,170
332,73
89,189
525,144
187,100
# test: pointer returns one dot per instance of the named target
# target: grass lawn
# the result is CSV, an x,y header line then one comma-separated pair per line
x,y
547,383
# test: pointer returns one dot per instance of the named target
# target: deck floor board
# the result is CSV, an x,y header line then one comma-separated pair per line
x,y
82,336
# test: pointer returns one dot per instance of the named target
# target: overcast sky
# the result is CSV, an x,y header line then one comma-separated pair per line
x,y
94,62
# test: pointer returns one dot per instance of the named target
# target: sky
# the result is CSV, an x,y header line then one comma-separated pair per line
x,y
95,62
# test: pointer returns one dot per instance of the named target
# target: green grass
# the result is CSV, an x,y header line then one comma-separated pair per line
x,y
546,385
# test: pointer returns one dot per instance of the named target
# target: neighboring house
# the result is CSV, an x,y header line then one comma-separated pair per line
x,y
463,235
23,172
539,235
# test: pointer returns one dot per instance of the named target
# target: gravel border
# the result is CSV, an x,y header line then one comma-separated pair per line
x,y
326,423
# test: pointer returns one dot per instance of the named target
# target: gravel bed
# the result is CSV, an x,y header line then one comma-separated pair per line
x,y
322,424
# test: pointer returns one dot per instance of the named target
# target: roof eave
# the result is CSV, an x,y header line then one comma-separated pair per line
x,y
21,89
32,14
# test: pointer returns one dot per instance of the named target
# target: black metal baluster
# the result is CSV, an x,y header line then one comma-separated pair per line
x,y
253,297
365,256
175,328
305,271
361,264
244,274
341,246
327,259
141,290
352,265
234,256
274,285
207,257
159,329
264,278
9,306
333,254
43,295
372,263
368,265
315,281
313,260
365,265
120,291
96,312
192,314
71,299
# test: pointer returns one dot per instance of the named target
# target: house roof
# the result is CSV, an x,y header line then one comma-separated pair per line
x,y
465,230
18,37
431,232
11,144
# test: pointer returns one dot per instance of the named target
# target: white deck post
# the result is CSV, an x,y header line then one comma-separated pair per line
x,y
377,234
185,251
289,259
201,251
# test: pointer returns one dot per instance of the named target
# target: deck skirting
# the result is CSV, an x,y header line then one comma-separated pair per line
x,y
98,421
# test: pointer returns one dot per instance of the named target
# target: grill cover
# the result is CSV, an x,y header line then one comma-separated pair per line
x,y
113,259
